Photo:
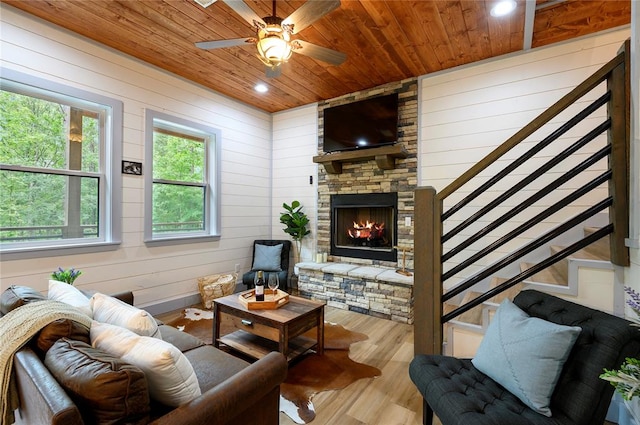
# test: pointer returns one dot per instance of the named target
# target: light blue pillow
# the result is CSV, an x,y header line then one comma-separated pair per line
x,y
525,354
267,258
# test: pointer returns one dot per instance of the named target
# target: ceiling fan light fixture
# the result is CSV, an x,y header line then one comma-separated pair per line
x,y
274,45
503,7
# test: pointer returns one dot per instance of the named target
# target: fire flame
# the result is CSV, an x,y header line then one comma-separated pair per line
x,y
369,230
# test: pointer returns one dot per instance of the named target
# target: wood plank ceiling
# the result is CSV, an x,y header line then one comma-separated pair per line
x,y
385,41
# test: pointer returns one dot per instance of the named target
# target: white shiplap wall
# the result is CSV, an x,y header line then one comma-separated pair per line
x,y
157,274
295,142
467,112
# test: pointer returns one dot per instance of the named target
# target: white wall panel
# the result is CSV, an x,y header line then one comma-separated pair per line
x,y
160,273
485,102
295,142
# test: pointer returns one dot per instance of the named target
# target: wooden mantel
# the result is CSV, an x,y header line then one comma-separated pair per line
x,y
385,157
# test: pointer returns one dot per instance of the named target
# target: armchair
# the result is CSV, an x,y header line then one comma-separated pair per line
x,y
459,394
265,257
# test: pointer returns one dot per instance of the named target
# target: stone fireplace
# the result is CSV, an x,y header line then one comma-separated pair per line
x,y
365,178
360,274
364,226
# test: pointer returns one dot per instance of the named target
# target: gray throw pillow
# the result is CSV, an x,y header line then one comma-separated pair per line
x,y
525,354
267,258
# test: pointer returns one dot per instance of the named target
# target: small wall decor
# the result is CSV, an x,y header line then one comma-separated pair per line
x,y
130,167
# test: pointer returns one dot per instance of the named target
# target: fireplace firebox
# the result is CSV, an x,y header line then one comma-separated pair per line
x,y
364,226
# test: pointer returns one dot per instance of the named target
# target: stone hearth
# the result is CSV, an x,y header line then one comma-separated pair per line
x,y
375,291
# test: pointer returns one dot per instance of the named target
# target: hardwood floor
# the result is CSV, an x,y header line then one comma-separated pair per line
x,y
390,399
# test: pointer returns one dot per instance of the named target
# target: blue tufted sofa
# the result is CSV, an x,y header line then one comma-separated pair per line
x,y
459,394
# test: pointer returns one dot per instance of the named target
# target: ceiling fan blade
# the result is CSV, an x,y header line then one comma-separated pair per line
x,y
218,44
272,72
331,56
310,12
241,8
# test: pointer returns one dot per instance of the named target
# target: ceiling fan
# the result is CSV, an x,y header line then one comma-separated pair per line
x,y
273,34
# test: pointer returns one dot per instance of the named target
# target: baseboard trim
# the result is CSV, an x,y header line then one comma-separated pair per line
x,y
172,305
180,303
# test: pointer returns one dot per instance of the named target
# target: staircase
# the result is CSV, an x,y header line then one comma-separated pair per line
x,y
586,277
554,218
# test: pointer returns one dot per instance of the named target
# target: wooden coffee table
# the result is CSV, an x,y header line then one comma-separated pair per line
x,y
258,332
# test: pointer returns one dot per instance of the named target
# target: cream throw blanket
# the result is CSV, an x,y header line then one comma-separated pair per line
x,y
16,329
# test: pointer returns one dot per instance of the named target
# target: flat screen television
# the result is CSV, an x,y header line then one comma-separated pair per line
x,y
364,124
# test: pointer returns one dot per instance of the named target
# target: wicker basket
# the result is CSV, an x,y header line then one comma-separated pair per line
x,y
216,286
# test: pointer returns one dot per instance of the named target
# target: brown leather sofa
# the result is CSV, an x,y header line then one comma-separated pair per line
x,y
233,391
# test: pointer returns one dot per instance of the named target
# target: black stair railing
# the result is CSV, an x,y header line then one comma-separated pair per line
x,y
460,262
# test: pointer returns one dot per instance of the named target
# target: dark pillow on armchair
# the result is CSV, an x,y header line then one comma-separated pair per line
x,y
106,389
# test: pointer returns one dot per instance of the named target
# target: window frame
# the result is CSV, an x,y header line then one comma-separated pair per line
x,y
212,204
110,180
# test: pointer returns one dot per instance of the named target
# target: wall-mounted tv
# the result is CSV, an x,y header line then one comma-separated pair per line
x,y
364,124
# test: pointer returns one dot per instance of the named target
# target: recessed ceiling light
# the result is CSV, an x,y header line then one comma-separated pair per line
x,y
205,3
503,7
261,88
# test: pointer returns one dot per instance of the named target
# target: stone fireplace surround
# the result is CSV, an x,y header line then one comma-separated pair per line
x,y
364,285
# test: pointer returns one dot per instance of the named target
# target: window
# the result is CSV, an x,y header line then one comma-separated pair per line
x,y
182,195
57,147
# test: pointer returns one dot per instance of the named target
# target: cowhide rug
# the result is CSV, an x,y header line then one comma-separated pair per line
x,y
308,375
196,322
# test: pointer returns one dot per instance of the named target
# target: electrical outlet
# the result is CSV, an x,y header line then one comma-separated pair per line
x,y
237,268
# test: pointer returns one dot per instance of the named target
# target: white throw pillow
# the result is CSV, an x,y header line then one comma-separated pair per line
x,y
68,294
171,378
111,310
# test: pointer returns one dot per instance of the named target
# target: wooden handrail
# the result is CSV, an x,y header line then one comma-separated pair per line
x,y
546,116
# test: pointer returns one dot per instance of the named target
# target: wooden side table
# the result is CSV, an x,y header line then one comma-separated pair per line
x,y
258,332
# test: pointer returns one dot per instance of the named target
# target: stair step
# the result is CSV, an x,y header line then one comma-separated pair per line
x,y
558,273
448,308
473,316
549,275
601,248
582,254
509,293
561,268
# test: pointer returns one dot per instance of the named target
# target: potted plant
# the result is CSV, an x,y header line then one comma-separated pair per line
x,y
626,379
67,276
296,223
